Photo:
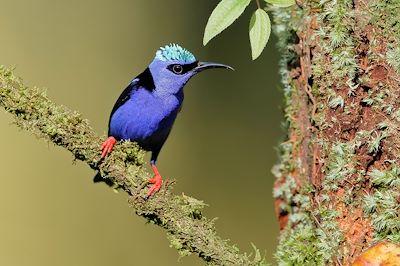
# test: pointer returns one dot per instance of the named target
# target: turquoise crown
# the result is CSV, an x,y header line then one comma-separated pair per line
x,y
173,52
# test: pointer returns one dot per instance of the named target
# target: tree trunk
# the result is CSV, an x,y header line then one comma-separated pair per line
x,y
338,181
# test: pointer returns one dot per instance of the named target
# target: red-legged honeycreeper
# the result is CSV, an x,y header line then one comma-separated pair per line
x,y
147,108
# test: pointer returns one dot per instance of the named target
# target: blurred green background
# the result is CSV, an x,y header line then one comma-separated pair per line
x,y
221,149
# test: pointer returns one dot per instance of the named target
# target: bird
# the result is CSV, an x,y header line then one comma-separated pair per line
x,y
146,110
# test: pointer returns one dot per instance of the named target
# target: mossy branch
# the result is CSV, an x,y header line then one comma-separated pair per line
x,y
181,216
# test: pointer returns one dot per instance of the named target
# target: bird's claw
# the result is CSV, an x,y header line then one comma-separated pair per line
x,y
157,182
107,146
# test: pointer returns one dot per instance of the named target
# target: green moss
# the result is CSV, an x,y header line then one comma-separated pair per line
x,y
308,242
336,102
385,16
393,58
382,204
296,246
337,18
339,164
191,206
375,142
178,244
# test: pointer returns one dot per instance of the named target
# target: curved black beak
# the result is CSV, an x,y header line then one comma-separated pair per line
x,y
207,65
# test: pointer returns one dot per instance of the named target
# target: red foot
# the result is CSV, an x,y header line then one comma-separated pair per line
x,y
107,146
156,180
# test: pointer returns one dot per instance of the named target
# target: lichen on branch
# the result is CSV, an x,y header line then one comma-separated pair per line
x,y
181,216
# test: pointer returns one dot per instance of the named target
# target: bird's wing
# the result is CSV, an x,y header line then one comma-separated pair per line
x,y
125,95
143,80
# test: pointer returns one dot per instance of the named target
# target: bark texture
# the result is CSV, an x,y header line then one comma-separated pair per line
x,y
338,182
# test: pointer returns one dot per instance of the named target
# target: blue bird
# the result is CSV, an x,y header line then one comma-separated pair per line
x,y
146,110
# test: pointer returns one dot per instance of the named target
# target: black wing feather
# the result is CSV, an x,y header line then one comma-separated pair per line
x,y
144,80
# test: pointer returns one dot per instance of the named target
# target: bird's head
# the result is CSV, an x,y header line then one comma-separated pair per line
x,y
173,66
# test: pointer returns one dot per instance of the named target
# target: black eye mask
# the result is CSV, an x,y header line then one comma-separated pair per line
x,y
185,68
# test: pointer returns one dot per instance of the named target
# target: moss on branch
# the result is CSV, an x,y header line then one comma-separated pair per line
x,y
181,216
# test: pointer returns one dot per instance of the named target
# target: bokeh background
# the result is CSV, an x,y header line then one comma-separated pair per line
x,y
221,149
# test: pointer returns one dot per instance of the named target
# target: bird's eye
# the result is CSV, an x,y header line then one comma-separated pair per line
x,y
177,69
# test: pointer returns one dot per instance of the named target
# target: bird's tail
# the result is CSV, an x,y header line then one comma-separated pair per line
x,y
98,178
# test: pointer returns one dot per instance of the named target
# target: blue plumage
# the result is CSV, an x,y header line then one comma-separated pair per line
x,y
175,52
145,117
147,108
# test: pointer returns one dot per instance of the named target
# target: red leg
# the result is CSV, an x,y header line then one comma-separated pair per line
x,y
107,146
156,180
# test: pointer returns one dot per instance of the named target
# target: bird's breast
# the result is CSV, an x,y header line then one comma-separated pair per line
x,y
145,117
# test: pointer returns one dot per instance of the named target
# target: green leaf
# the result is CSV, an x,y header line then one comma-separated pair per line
x,y
281,3
224,14
259,31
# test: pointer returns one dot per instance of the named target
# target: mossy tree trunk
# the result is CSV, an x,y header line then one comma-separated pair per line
x,y
338,183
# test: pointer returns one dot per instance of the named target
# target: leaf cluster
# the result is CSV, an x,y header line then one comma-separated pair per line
x,y
227,11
